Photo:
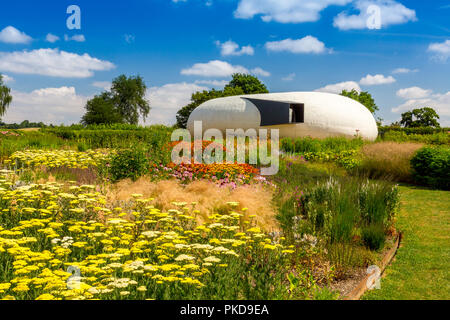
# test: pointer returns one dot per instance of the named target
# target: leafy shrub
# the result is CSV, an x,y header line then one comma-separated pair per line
x,y
129,163
373,236
432,167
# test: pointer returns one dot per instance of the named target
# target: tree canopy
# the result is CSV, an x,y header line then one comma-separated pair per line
x,y
5,97
123,104
248,83
423,117
240,84
101,110
363,97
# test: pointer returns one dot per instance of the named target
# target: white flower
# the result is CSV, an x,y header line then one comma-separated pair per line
x,y
184,257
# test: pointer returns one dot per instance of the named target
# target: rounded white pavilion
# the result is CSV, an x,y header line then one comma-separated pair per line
x,y
295,114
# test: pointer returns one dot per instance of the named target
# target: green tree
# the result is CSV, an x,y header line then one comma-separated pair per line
x,y
239,85
248,83
5,97
423,117
128,95
123,104
364,98
101,110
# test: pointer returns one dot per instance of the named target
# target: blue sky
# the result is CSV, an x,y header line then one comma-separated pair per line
x,y
401,55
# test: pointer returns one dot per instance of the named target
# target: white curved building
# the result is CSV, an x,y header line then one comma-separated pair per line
x,y
295,114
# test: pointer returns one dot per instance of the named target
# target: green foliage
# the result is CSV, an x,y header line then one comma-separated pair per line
x,y
373,236
31,140
128,95
346,256
5,97
342,151
364,98
431,167
129,163
24,124
302,285
440,138
239,85
248,83
414,130
420,270
423,117
115,136
308,144
332,208
124,103
101,110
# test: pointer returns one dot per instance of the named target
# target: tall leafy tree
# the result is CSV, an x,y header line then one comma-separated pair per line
x,y
101,110
5,97
423,117
128,94
125,103
240,84
365,98
248,83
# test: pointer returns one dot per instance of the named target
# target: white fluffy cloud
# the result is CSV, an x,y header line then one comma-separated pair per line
x,y
213,83
308,44
418,98
413,93
391,12
377,79
105,85
289,77
51,38
214,68
12,35
166,100
49,105
404,70
338,87
285,11
7,79
231,48
52,62
260,72
441,51
220,69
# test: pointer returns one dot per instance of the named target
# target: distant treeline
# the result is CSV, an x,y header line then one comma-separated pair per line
x,y
117,126
24,124
419,130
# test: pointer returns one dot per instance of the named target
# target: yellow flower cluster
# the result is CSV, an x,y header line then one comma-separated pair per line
x,y
61,242
58,158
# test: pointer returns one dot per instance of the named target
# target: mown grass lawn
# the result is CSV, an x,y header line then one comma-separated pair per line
x,y
421,268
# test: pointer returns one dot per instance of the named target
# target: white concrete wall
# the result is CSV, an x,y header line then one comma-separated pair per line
x,y
326,115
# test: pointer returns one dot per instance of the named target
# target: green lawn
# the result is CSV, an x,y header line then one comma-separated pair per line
x,y
421,268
